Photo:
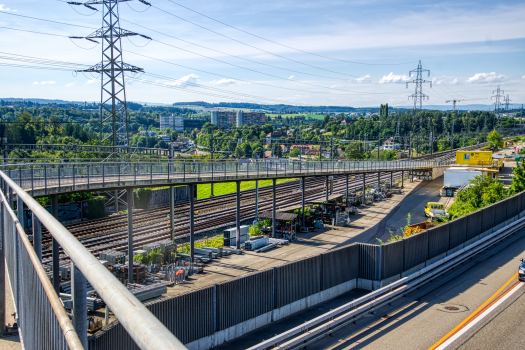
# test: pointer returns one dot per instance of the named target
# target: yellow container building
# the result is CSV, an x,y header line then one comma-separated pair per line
x,y
475,158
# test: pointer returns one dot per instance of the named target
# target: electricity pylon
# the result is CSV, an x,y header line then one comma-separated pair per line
x,y
497,103
418,95
114,118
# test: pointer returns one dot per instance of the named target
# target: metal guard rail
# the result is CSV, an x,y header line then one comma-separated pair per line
x,y
163,152
333,320
145,329
18,235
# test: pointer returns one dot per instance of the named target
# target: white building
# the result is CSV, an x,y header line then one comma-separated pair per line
x,y
165,138
148,133
172,122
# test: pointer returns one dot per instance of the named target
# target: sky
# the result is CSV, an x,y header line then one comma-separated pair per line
x,y
338,53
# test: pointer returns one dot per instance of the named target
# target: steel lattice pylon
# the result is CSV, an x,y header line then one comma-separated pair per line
x,y
418,95
114,119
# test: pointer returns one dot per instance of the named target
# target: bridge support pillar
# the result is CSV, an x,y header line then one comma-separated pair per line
x,y
347,178
78,297
327,185
192,227
129,191
402,178
54,247
172,213
37,237
391,180
364,188
379,180
116,201
303,180
238,217
257,200
274,181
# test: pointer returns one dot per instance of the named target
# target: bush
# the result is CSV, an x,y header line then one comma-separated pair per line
x,y
97,208
142,197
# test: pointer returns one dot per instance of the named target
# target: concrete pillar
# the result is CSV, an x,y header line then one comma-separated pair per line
x,y
379,180
364,188
130,234
238,216
37,237
347,178
257,200
391,179
274,181
79,299
327,185
192,226
54,248
116,200
302,199
402,178
172,213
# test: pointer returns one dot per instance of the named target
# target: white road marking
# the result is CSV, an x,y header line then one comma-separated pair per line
x,y
456,336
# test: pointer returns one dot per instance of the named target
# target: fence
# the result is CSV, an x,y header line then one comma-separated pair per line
x,y
43,322
250,297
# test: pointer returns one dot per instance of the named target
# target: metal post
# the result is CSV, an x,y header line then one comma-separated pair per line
x,y
257,198
402,179
129,191
55,253
391,180
116,201
79,299
347,177
2,266
274,181
379,180
364,189
302,200
327,185
20,210
192,226
410,147
172,213
37,237
238,216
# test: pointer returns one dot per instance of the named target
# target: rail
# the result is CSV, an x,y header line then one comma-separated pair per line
x,y
48,178
310,331
161,152
146,330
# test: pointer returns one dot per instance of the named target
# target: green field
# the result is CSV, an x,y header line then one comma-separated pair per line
x,y
204,190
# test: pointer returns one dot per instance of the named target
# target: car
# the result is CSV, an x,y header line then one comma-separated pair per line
x,y
521,271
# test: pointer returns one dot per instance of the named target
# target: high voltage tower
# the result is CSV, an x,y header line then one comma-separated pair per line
x,y
507,103
418,95
114,118
497,103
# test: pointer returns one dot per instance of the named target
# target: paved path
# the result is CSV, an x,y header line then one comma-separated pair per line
x,y
11,342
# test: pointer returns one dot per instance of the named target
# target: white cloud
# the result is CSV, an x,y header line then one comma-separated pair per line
x,y
70,84
184,82
485,78
391,78
523,77
455,81
224,82
44,83
438,80
6,9
91,81
366,79
291,77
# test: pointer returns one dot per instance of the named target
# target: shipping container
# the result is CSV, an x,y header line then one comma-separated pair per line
x,y
483,158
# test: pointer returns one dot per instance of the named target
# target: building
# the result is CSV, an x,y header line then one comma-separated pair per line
x,y
224,119
166,138
390,145
172,122
274,135
148,133
249,119
190,124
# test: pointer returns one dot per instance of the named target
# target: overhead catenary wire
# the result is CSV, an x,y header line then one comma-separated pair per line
x,y
287,46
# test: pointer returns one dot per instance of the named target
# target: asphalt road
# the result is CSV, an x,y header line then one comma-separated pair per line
x,y
428,315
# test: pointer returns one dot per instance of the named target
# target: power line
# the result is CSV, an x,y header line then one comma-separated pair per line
x,y
289,47
45,20
418,96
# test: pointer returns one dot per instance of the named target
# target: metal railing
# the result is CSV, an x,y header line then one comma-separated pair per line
x,y
47,178
43,323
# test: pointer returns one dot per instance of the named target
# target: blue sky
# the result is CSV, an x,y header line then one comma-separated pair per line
x,y
470,47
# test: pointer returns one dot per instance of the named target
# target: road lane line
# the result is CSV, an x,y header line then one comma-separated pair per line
x,y
504,297
462,324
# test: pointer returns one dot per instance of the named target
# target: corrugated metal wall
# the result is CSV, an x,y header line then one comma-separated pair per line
x,y
522,200
340,266
368,261
438,240
244,298
416,250
112,337
500,212
392,258
488,218
297,280
458,232
513,206
474,224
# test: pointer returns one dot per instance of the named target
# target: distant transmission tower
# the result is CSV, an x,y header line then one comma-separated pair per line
x,y
507,103
418,96
114,119
497,103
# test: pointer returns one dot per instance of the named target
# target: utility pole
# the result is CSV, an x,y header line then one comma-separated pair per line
x,y
497,103
114,118
418,96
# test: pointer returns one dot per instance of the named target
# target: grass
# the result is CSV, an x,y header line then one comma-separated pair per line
x,y
204,190
208,242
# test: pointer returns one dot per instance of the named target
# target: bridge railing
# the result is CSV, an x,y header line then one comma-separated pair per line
x,y
42,319
107,174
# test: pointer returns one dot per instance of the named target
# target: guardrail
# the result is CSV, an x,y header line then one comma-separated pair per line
x,y
55,178
42,319
161,152
308,332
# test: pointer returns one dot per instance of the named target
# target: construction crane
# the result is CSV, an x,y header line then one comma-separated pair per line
x,y
452,131
470,99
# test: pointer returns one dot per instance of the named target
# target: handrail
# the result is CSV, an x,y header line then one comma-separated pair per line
x,y
145,329
68,329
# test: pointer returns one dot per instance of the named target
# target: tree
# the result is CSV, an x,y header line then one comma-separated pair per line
x,y
518,181
495,139
354,151
295,152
